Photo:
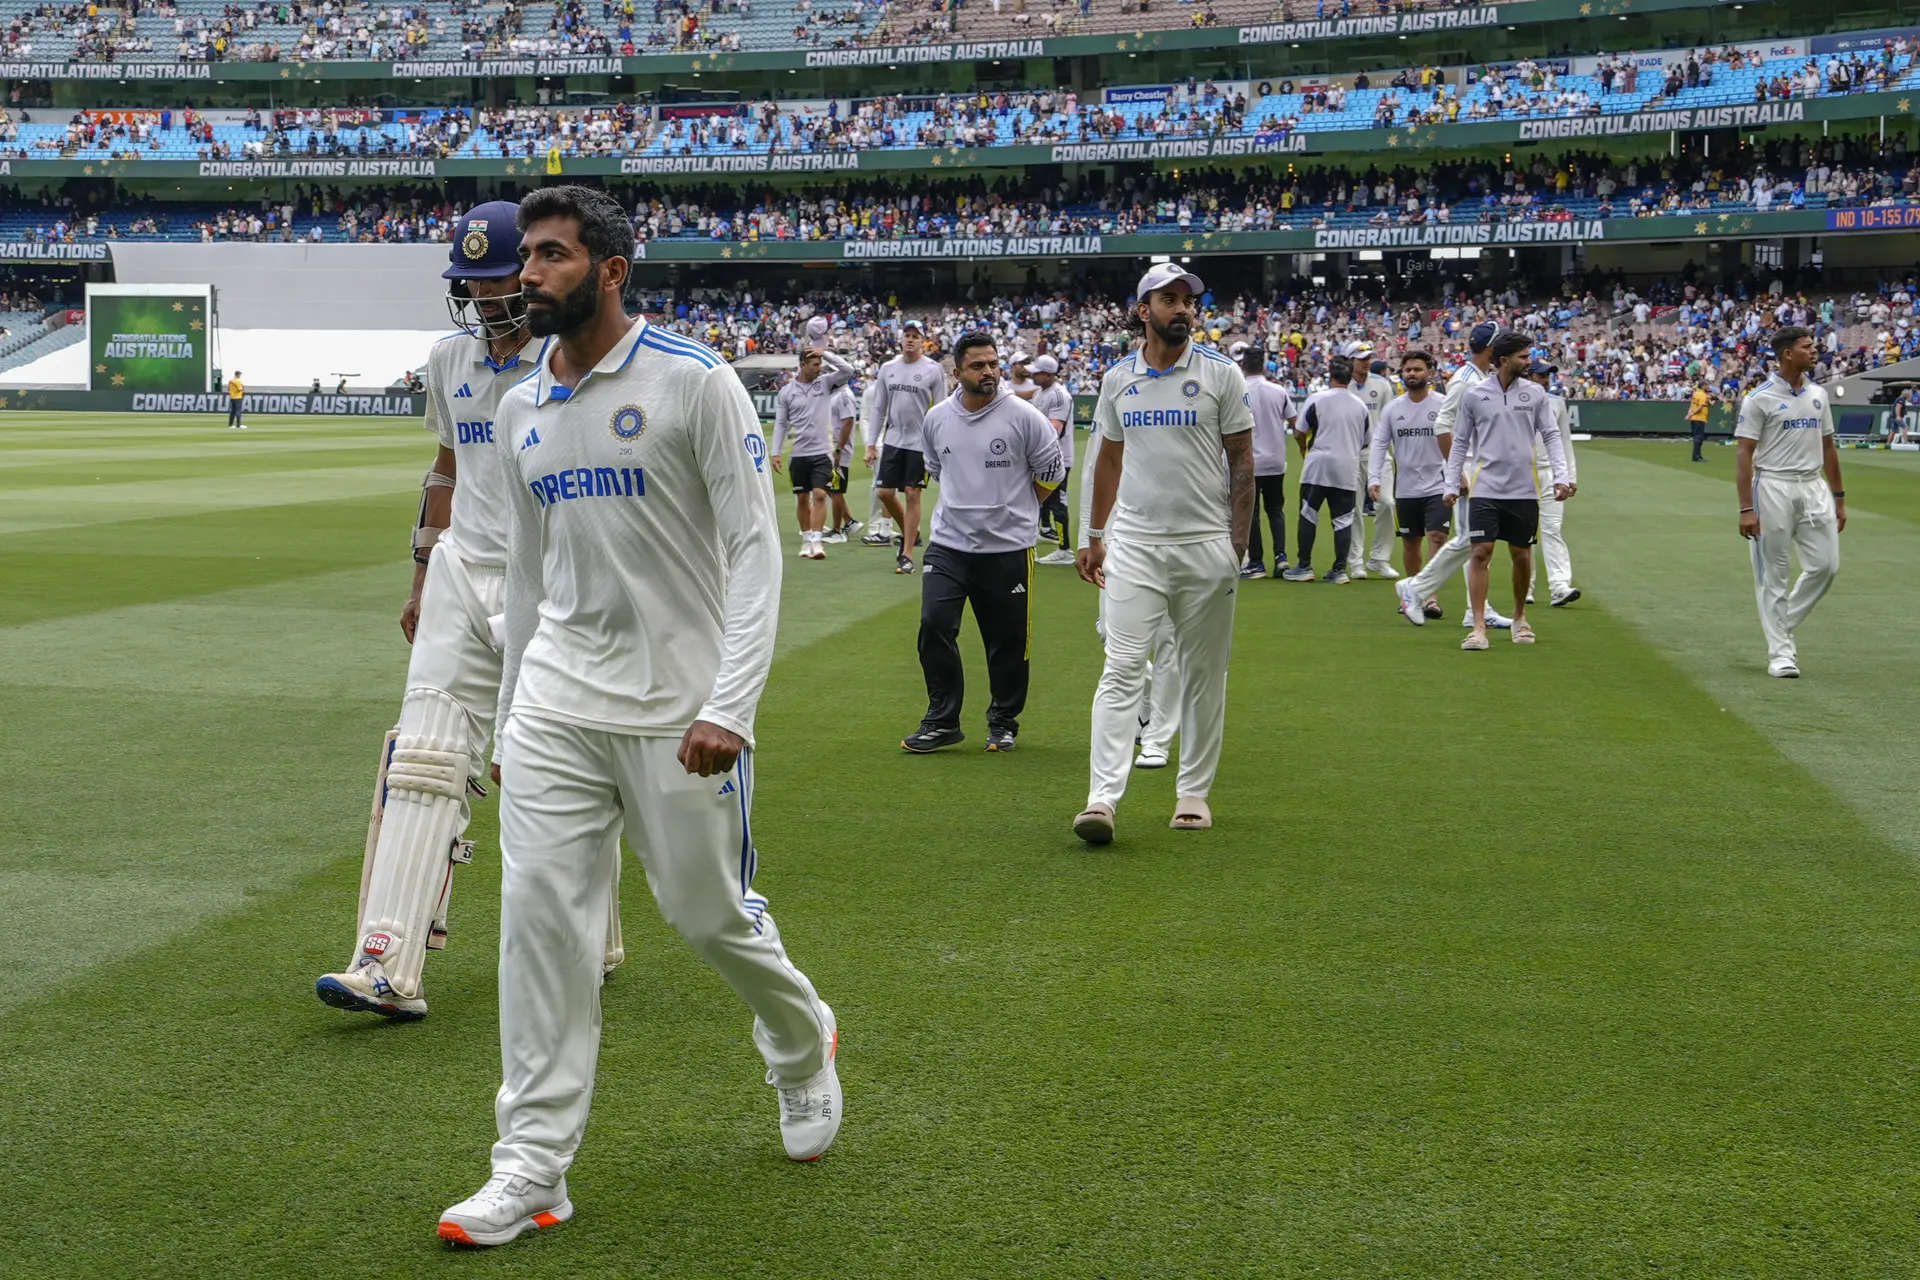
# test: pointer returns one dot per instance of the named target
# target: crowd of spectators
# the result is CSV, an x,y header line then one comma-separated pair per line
x,y
1609,340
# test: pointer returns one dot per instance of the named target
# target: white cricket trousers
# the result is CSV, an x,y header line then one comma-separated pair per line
x,y
1553,540
1795,511
568,794
1159,712
453,645
1375,548
1191,585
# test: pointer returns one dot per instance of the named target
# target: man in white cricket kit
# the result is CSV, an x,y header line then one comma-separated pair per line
x,y
643,581
434,757
1273,419
1458,550
1370,551
1785,441
1553,512
804,409
1175,477
1501,417
1158,715
1406,431
842,411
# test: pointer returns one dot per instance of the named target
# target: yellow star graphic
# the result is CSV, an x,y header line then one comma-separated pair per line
x,y
99,368
727,252
119,379
179,306
194,325
285,72
1746,224
1120,45
1393,139
1903,106
1725,216
88,170
696,64
1699,228
937,157
1187,245
1586,10
3,402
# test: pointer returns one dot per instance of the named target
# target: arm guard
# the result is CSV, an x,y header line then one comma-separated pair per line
x,y
424,534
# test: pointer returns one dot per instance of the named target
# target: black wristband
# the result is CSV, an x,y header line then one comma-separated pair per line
x,y
1839,493
1746,511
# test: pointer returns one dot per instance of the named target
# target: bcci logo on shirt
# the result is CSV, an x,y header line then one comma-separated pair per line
x,y
998,446
1189,388
628,422
474,243
757,450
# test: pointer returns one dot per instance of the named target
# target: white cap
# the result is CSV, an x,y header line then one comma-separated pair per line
x,y
1020,357
1354,350
1046,364
1237,350
1162,274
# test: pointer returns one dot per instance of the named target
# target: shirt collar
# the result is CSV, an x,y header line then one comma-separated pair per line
x,y
547,391
484,356
1140,366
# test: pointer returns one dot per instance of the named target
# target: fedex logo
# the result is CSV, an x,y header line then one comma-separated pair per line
x,y
474,432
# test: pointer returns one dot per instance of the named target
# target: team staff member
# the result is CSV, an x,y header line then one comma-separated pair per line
x,y
1053,401
1175,477
1273,419
844,408
996,458
1785,438
1408,430
804,408
1500,418
1697,406
1458,550
643,585
236,397
910,384
1370,552
1553,512
1333,435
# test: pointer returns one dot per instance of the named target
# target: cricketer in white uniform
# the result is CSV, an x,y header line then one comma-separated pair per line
x,y
1785,439
1175,478
1371,552
435,757
1056,404
1453,556
1553,512
1158,715
643,585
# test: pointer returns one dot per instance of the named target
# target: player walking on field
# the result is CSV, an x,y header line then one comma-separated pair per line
x,y
1333,436
1054,402
1174,475
844,408
1453,556
1273,419
1553,512
804,409
1500,419
641,606
910,384
996,458
436,755
1785,441
236,402
1406,431
1370,552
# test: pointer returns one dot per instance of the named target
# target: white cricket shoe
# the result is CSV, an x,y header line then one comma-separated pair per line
x,y
810,1113
1151,758
1410,609
508,1205
834,536
364,989
1358,573
1783,669
1057,557
1381,569
1496,620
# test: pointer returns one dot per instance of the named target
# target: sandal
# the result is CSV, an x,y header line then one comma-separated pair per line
x,y
1523,632
1190,813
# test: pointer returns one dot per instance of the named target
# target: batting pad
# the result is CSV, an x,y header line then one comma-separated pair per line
x,y
419,840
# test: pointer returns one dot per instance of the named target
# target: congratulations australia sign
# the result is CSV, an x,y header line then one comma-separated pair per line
x,y
1396,24
1434,237
975,247
1749,116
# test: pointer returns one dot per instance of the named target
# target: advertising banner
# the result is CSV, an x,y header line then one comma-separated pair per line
x,y
143,337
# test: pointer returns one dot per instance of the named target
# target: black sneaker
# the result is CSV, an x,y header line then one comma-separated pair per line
x,y
923,740
999,739
903,564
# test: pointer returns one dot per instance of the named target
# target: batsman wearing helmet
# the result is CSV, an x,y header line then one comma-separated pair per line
x,y
435,758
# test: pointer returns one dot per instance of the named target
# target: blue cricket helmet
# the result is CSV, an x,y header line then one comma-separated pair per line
x,y
485,246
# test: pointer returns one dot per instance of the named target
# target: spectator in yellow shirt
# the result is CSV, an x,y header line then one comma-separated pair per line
x,y
1697,418
236,393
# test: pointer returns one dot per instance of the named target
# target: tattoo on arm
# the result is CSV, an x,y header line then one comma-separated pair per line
x,y
1240,485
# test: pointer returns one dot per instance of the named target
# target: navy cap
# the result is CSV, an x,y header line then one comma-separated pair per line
x,y
1541,369
486,243
1482,336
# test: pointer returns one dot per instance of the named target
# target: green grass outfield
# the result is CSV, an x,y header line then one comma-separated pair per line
x,y
1594,959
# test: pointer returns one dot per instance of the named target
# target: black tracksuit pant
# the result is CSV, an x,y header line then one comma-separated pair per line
x,y
1699,432
997,584
1339,503
1269,492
